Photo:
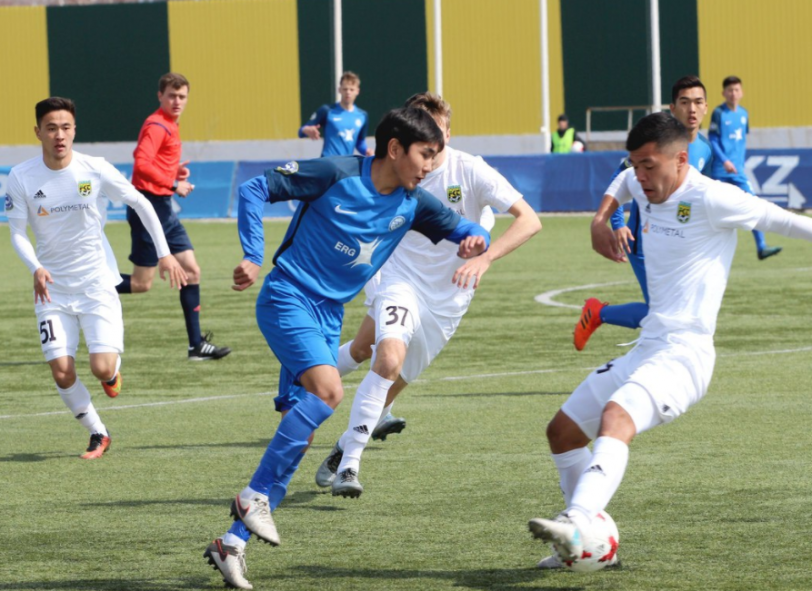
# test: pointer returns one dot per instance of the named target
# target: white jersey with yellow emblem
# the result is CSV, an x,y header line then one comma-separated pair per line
x,y
690,240
468,185
66,210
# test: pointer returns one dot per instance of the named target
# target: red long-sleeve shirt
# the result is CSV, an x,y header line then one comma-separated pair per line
x,y
157,155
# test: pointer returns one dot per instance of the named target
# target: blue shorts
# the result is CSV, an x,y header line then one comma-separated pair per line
x,y
302,329
143,252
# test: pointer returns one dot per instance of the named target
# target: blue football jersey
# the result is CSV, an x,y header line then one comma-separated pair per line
x,y
343,229
343,131
728,137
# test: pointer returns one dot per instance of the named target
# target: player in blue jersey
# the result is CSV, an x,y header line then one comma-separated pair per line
x,y
343,124
729,127
352,213
689,105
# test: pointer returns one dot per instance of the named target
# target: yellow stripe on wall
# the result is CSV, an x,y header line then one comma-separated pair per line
x,y
767,45
241,58
23,70
492,64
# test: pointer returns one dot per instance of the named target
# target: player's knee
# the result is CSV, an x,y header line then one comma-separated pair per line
x,y
64,377
331,395
140,286
389,358
564,435
103,370
360,352
192,275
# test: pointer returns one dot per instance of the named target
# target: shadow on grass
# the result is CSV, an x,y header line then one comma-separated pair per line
x,y
297,500
261,443
13,363
37,457
491,579
113,584
494,394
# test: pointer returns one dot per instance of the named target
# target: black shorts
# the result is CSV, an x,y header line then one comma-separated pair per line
x,y
143,252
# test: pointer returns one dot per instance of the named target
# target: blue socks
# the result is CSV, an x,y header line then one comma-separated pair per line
x,y
761,243
190,302
280,487
124,286
290,439
627,315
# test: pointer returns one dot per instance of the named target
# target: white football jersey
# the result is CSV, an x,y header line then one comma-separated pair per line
x,y
468,185
65,209
689,243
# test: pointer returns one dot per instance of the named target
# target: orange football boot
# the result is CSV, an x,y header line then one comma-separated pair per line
x,y
98,445
588,323
115,389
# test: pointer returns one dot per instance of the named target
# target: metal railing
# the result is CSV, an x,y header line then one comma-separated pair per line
x,y
629,119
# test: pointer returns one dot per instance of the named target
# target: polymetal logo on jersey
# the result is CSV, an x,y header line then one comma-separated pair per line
x,y
42,212
85,188
454,193
683,212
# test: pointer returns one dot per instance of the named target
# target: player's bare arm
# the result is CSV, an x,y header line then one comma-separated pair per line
x,y
245,275
525,225
169,265
41,280
312,131
603,238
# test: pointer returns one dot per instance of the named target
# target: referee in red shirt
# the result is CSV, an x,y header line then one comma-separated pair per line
x,y
158,174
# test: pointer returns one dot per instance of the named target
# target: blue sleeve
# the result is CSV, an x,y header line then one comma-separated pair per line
x,y
617,220
437,222
304,181
715,136
252,196
318,118
706,170
361,140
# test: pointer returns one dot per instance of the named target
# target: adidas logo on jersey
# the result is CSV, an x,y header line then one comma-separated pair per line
x,y
39,195
362,429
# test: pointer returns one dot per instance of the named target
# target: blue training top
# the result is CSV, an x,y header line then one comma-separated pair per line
x,y
343,131
728,137
343,230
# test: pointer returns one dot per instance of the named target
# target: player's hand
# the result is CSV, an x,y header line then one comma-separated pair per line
x,y
472,246
41,280
184,188
473,270
604,243
183,171
370,152
622,237
312,131
730,167
170,265
245,275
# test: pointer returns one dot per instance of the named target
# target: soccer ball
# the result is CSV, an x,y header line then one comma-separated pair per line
x,y
577,146
600,547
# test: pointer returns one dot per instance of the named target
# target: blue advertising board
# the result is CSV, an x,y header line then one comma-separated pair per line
x,y
549,183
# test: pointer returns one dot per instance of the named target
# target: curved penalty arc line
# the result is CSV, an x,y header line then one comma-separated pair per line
x,y
547,298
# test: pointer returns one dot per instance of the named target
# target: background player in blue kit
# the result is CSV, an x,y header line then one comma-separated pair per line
x,y
689,105
343,124
730,124
353,212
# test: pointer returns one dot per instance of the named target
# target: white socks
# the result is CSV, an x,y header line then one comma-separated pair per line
x,y
346,364
601,479
571,465
384,412
77,399
366,410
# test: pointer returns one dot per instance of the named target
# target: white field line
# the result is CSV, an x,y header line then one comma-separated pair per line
x,y
444,379
546,298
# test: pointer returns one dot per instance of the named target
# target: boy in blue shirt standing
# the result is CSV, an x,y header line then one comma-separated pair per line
x,y
343,124
352,213
729,127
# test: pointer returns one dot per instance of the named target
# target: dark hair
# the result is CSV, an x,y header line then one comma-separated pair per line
x,y
660,128
55,103
176,81
685,83
407,125
563,117
431,103
730,80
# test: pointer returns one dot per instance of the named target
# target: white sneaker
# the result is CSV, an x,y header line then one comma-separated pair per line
x,y
327,471
230,561
560,531
549,563
256,515
346,484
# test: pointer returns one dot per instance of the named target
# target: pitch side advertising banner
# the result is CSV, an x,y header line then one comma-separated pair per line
x,y
549,183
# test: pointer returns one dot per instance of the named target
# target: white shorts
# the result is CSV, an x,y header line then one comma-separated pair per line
x,y
400,313
655,382
97,313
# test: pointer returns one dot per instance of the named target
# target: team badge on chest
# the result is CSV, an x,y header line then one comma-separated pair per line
x,y
454,193
683,212
85,188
